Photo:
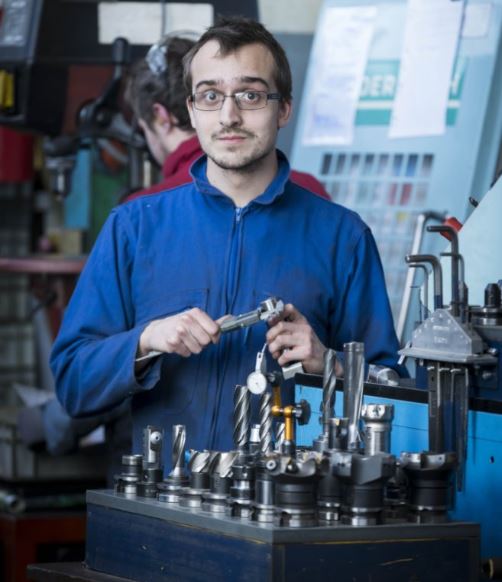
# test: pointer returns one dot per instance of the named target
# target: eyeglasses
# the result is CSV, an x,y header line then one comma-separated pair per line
x,y
247,100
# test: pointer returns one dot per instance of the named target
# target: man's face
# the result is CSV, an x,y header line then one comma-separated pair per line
x,y
232,138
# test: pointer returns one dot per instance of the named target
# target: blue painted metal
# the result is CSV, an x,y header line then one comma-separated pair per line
x,y
148,541
146,549
481,500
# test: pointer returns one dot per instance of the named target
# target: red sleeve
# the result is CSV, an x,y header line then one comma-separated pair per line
x,y
308,182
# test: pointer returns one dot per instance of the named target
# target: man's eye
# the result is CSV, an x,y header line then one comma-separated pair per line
x,y
210,96
251,96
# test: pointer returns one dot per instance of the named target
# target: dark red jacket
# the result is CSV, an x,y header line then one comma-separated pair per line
x,y
176,171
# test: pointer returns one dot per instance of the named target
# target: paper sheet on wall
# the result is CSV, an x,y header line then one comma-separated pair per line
x,y
476,20
340,57
141,22
430,46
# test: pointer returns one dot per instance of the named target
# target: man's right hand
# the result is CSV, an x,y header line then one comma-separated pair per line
x,y
184,334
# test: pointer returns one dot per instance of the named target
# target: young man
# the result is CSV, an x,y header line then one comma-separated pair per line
x,y
166,267
155,92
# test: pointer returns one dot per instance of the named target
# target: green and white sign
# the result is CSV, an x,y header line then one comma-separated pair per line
x,y
379,89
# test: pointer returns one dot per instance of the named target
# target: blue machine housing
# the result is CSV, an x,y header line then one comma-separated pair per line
x,y
481,499
487,384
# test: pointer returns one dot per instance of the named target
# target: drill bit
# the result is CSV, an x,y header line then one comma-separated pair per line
x,y
200,461
279,435
353,389
222,464
328,389
266,424
241,417
178,450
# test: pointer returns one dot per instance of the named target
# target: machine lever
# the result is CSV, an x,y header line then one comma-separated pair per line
x,y
455,260
438,275
424,313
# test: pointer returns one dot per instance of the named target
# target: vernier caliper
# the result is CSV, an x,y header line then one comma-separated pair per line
x,y
266,310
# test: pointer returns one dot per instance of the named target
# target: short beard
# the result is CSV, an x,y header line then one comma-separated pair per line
x,y
246,166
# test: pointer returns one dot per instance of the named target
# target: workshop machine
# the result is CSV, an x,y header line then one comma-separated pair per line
x,y
393,183
62,67
455,403
55,54
273,508
320,484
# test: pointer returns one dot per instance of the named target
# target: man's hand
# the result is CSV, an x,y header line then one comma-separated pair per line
x,y
184,334
293,340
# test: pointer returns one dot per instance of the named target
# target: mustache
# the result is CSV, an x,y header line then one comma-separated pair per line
x,y
232,132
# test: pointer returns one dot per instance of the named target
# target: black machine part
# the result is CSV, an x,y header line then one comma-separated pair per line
x,y
430,478
295,488
490,314
364,477
39,42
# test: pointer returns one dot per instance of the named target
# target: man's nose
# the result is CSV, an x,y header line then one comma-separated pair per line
x,y
230,114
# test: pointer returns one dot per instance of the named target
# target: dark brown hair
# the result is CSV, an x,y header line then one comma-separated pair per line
x,y
144,87
235,32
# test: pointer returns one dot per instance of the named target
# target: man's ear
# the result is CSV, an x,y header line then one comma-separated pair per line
x,y
189,103
162,117
285,111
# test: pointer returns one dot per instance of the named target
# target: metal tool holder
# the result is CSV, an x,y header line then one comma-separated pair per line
x,y
153,468
198,465
377,420
364,478
328,399
431,490
220,481
295,489
243,467
333,438
330,489
263,506
170,489
363,474
353,386
449,347
126,482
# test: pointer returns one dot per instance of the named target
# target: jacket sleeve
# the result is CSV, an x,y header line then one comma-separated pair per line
x,y
364,312
93,356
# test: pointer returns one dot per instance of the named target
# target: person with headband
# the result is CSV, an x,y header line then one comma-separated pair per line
x,y
145,318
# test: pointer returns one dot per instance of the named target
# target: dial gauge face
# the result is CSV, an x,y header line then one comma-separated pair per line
x,y
256,383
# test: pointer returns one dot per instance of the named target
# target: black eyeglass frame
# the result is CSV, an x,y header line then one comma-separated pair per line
x,y
269,96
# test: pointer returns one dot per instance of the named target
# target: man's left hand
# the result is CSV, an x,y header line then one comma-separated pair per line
x,y
292,339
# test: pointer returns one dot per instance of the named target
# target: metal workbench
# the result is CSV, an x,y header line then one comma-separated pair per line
x,y
147,540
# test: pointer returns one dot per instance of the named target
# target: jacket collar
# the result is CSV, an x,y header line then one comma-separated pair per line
x,y
275,189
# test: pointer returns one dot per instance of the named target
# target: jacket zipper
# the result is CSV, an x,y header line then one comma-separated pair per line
x,y
232,276
234,260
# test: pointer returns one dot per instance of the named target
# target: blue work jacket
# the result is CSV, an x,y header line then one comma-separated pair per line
x,y
189,247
